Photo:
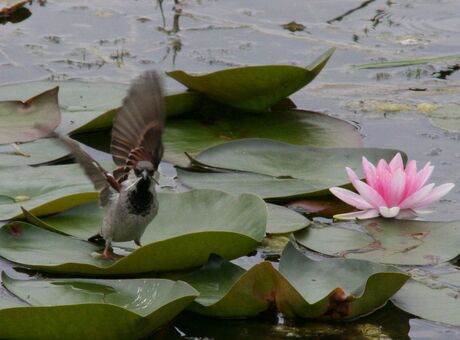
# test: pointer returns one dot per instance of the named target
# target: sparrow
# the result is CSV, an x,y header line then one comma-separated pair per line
x,y
128,196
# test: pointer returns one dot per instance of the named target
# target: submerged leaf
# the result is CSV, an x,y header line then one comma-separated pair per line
x,y
253,88
93,309
18,119
409,62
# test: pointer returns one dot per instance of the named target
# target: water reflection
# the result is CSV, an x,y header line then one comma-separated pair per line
x,y
386,323
16,17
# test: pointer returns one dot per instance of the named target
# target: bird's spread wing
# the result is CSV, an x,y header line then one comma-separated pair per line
x,y
138,126
101,179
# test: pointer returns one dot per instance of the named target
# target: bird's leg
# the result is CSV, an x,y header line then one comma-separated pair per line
x,y
108,251
138,242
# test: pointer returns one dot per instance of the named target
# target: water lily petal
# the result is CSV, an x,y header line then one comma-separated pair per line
x,y
416,197
395,189
389,212
369,194
422,176
382,165
370,172
435,195
360,215
396,163
411,175
351,174
350,198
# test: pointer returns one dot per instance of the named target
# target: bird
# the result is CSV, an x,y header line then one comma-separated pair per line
x,y
128,196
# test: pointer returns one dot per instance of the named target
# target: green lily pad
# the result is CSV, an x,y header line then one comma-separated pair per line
x,y
282,220
195,133
386,241
18,119
176,105
228,291
253,88
446,117
188,227
43,190
334,288
79,102
435,299
32,153
338,289
93,309
275,170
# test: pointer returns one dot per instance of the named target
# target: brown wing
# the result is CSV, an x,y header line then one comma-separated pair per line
x,y
138,126
101,179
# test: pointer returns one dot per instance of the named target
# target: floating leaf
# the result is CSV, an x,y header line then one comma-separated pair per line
x,y
338,289
253,88
50,189
194,133
408,62
189,227
446,117
40,151
79,102
283,220
176,105
276,170
228,291
18,119
434,299
334,288
386,241
93,309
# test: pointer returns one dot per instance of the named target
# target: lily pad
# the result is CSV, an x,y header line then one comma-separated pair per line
x,y
253,88
338,289
228,291
32,153
434,299
276,170
386,241
93,309
446,117
334,288
282,220
18,119
195,133
176,105
43,190
79,102
188,227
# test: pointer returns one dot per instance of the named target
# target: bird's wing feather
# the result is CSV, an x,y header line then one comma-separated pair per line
x,y
102,180
139,124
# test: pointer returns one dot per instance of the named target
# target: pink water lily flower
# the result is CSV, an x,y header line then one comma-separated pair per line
x,y
390,190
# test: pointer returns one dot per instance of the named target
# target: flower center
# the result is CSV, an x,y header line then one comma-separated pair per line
x,y
389,212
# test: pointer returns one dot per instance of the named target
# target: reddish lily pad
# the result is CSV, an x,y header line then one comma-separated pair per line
x,y
18,119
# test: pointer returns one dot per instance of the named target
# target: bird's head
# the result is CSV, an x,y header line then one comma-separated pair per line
x,y
144,170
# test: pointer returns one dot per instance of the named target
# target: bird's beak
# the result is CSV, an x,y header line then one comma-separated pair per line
x,y
145,174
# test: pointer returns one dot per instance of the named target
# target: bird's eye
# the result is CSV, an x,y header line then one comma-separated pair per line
x,y
137,172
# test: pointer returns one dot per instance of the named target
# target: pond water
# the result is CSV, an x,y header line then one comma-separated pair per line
x,y
114,40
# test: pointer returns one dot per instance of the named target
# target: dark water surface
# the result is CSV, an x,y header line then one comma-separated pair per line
x,y
115,40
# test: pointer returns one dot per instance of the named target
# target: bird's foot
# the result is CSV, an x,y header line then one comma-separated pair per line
x,y
108,254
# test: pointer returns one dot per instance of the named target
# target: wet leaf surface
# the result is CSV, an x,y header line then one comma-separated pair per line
x,y
434,298
386,241
103,309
